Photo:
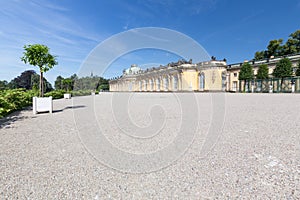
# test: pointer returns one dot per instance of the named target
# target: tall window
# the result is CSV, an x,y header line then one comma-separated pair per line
x,y
140,85
166,83
151,84
223,81
175,83
130,86
157,84
234,86
202,81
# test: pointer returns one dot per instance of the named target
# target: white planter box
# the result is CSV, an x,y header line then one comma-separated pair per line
x,y
67,96
42,104
93,93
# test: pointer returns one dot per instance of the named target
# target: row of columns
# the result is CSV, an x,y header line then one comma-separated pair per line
x,y
161,83
171,82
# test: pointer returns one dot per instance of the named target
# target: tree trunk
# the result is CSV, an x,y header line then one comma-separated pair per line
x,y
41,85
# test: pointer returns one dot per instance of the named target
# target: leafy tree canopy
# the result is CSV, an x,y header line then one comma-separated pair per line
x,y
298,69
283,68
246,72
262,72
277,48
38,55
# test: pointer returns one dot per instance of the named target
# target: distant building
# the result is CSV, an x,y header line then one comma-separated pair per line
x,y
233,70
213,75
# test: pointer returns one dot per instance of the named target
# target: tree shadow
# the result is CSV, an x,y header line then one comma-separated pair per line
x,y
68,107
6,121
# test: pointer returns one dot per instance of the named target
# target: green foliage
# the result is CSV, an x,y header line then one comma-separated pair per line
x,y
24,80
38,55
84,83
283,68
81,93
58,83
295,41
67,84
259,55
56,94
103,87
3,85
35,81
277,48
246,72
28,80
262,72
15,99
298,69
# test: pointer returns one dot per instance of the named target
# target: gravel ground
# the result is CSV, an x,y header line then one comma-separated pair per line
x,y
51,156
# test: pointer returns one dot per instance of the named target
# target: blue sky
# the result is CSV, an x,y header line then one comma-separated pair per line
x,y
230,29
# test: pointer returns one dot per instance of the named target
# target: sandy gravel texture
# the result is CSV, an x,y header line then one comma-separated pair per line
x,y
256,156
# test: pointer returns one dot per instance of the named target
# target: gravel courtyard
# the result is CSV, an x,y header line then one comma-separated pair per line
x,y
255,154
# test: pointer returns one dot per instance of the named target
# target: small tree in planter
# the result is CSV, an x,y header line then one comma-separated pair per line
x,y
38,55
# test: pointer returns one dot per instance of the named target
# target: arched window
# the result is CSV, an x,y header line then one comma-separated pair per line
x,y
157,84
145,85
140,85
223,81
175,83
151,84
166,83
130,86
202,81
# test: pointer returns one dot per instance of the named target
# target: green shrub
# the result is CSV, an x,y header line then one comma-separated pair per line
x,y
56,94
81,93
14,99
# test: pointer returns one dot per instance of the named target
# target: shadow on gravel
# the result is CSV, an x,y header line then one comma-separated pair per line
x,y
11,118
69,107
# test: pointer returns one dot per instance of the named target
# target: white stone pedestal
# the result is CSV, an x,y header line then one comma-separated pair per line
x,y
42,104
270,89
293,88
67,96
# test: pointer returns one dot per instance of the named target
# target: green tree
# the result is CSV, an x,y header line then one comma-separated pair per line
x,y
67,84
298,69
24,80
295,41
275,48
35,82
246,72
259,55
58,83
262,72
3,85
283,69
38,55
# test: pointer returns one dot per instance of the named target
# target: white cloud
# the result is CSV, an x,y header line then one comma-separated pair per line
x,y
44,22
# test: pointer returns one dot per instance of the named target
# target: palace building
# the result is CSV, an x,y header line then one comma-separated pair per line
x,y
213,75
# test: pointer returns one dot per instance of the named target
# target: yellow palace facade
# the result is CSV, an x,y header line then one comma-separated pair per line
x,y
213,75
180,76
